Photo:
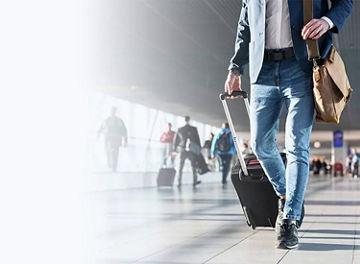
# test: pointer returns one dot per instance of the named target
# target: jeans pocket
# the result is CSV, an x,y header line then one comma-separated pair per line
x,y
266,74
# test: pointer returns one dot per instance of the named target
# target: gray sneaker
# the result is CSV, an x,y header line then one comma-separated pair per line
x,y
289,235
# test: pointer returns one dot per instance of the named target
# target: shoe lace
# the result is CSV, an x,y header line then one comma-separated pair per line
x,y
286,228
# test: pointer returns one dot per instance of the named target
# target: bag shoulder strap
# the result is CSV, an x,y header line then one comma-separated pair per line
x,y
311,44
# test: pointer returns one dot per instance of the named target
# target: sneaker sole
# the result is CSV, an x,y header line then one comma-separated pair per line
x,y
284,246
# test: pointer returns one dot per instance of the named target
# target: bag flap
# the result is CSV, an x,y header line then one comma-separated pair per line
x,y
336,69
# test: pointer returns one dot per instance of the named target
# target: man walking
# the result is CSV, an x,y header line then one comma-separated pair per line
x,y
223,145
187,142
271,38
167,139
115,134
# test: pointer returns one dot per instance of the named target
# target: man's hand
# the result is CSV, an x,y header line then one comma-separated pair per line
x,y
315,29
233,83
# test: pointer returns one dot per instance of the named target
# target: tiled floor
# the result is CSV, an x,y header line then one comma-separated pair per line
x,y
206,225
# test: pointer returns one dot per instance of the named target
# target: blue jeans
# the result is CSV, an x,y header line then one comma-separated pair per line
x,y
226,164
282,83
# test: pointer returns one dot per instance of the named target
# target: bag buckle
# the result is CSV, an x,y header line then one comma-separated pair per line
x,y
315,61
316,69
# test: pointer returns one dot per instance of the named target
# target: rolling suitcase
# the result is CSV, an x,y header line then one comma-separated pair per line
x,y
200,164
166,177
256,194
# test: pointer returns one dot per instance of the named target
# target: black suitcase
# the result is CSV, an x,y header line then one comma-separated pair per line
x,y
166,177
200,165
256,194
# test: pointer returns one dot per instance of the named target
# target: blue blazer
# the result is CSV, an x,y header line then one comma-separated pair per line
x,y
250,39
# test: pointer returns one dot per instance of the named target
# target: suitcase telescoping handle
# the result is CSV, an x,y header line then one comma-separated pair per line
x,y
223,97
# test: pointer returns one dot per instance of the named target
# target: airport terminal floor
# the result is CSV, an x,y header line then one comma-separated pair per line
x,y
206,225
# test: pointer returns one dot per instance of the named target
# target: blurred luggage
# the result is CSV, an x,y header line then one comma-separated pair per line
x,y
256,194
338,168
316,170
166,177
201,165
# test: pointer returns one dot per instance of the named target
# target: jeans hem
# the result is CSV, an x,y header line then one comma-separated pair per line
x,y
279,194
294,217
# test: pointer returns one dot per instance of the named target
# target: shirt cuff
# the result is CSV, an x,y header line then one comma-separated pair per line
x,y
328,20
236,69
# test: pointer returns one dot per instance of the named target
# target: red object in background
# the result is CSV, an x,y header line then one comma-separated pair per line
x,y
167,137
338,167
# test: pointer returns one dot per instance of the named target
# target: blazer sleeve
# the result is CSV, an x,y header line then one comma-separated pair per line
x,y
125,132
339,12
241,56
177,140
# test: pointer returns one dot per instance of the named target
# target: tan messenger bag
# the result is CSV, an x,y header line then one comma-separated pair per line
x,y
331,85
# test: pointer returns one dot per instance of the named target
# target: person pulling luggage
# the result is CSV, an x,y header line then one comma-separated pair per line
x,y
223,146
271,38
167,140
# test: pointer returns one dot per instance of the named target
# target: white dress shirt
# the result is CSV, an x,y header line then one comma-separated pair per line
x,y
277,25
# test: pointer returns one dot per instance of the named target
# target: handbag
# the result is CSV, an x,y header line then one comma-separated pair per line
x,y
331,89
194,148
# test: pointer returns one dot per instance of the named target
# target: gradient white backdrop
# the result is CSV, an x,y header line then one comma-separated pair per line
x,y
42,119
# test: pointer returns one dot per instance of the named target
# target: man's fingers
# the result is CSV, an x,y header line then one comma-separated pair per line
x,y
309,31
232,84
315,32
310,24
227,87
317,36
227,84
309,28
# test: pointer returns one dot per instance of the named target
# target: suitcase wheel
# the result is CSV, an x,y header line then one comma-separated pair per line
x,y
249,219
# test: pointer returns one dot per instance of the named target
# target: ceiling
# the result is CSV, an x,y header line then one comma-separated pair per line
x,y
173,55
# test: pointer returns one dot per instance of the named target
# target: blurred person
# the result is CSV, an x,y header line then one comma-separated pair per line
x,y
325,167
246,148
317,166
115,136
207,152
268,37
311,164
223,146
167,139
187,142
321,161
349,163
207,145
355,163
